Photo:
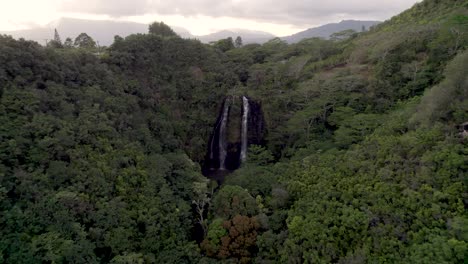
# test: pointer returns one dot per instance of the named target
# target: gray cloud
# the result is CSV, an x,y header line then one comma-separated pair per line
x,y
109,7
296,12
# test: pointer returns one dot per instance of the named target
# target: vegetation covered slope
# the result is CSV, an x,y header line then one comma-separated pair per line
x,y
363,162
93,166
371,164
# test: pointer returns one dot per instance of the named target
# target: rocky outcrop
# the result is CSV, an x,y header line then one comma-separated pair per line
x,y
464,130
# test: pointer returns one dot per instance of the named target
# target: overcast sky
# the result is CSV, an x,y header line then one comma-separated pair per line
x,y
280,17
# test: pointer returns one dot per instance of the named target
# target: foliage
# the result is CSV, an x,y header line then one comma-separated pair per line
x,y
343,35
56,42
91,169
232,200
447,100
161,29
68,43
84,41
362,161
224,44
238,42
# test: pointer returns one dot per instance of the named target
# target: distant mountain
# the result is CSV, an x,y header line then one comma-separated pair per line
x,y
248,36
326,30
104,31
100,30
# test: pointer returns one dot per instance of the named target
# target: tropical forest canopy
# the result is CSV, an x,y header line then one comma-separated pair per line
x,y
363,160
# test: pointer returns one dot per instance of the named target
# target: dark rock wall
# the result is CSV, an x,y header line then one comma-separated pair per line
x,y
255,133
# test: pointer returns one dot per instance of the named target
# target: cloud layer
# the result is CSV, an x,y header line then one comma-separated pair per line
x,y
294,12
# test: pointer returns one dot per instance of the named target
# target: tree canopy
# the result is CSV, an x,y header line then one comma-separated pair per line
x,y
363,158
161,29
83,40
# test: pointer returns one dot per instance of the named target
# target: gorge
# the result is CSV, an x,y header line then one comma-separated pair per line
x,y
240,123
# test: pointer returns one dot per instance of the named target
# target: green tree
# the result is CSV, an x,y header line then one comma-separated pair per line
x,y
84,41
343,35
258,180
68,43
446,100
238,42
355,128
232,200
57,37
212,241
161,29
56,42
224,44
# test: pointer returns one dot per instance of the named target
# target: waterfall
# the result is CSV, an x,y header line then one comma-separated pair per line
x,y
245,115
222,136
240,123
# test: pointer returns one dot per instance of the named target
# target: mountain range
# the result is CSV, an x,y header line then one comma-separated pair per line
x,y
103,31
248,36
327,30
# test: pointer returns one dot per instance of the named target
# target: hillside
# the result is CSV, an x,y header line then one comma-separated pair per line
x,y
136,154
327,30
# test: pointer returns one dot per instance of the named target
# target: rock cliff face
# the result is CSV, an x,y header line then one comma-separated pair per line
x,y
240,123
256,124
464,130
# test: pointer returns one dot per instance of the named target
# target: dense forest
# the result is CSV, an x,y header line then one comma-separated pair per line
x,y
361,159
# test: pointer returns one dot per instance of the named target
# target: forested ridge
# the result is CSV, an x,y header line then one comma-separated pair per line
x,y
363,160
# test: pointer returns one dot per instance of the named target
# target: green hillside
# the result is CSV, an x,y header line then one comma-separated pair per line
x,y
101,151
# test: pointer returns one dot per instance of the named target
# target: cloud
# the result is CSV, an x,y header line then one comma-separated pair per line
x,y
114,8
294,12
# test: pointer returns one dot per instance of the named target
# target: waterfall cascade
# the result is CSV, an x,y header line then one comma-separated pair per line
x,y
239,124
244,139
222,136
